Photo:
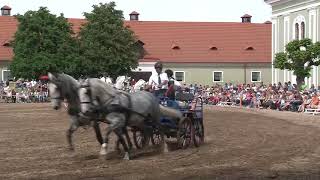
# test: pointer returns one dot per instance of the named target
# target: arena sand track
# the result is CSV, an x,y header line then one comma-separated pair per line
x,y
240,144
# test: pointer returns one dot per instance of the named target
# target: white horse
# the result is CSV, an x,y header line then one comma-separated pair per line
x,y
139,85
63,86
122,109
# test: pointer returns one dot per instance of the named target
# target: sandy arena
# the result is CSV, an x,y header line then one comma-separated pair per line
x,y
240,144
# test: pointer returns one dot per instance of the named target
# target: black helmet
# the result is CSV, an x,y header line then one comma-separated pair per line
x,y
158,65
169,72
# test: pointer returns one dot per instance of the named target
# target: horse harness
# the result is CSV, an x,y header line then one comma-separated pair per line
x,y
61,97
112,105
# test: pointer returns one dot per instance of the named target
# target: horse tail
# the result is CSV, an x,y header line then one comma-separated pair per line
x,y
170,112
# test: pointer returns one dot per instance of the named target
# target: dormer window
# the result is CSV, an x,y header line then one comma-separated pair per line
x,y
139,44
134,16
250,48
6,43
175,46
246,18
213,48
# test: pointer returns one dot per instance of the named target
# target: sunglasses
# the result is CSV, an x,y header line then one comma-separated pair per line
x,y
158,67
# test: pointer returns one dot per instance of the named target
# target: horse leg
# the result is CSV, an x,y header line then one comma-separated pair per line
x,y
98,132
125,131
73,127
163,146
119,133
103,150
117,121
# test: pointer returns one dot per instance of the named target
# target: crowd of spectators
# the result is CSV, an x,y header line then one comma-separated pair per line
x,y
282,97
23,91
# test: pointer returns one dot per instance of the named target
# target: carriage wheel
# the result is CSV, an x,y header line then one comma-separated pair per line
x,y
184,134
157,137
198,135
140,139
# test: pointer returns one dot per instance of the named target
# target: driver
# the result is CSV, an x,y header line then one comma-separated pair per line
x,y
159,80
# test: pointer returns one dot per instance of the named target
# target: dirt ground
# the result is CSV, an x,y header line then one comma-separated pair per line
x,y
240,144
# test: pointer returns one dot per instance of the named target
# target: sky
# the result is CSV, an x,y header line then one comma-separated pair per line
x,y
156,10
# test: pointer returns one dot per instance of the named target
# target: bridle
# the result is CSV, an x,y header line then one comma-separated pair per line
x,y
91,100
60,92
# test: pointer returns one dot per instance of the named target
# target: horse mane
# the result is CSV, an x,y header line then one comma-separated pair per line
x,y
102,86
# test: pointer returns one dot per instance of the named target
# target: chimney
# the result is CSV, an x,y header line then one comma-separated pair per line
x,y
5,11
246,18
134,16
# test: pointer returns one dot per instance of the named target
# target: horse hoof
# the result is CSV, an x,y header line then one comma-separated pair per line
x,y
103,152
71,148
126,156
165,148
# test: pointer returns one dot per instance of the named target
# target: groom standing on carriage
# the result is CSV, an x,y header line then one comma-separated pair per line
x,y
158,82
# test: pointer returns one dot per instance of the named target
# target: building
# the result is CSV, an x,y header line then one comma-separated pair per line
x,y
294,19
197,52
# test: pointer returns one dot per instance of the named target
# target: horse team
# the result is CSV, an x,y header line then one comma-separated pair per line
x,y
92,102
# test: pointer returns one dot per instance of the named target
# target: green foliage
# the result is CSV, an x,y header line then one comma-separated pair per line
x,y
108,47
43,42
300,61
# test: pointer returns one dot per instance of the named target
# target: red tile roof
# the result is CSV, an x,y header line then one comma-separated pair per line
x,y
193,38
8,26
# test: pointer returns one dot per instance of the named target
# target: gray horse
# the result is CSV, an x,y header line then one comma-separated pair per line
x,y
63,86
122,109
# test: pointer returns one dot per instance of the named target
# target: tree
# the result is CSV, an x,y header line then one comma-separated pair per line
x,y
108,47
299,57
43,42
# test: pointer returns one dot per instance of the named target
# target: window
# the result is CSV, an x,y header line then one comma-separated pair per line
x,y
134,17
297,31
175,46
179,75
217,76
250,48
299,27
302,30
6,75
6,12
213,48
255,76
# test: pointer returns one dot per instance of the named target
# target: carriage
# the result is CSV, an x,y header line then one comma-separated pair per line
x,y
187,130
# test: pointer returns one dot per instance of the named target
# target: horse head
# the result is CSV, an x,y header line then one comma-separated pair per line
x,y
55,90
94,94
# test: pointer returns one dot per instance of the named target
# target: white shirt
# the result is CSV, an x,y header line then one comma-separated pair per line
x,y
153,81
175,82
